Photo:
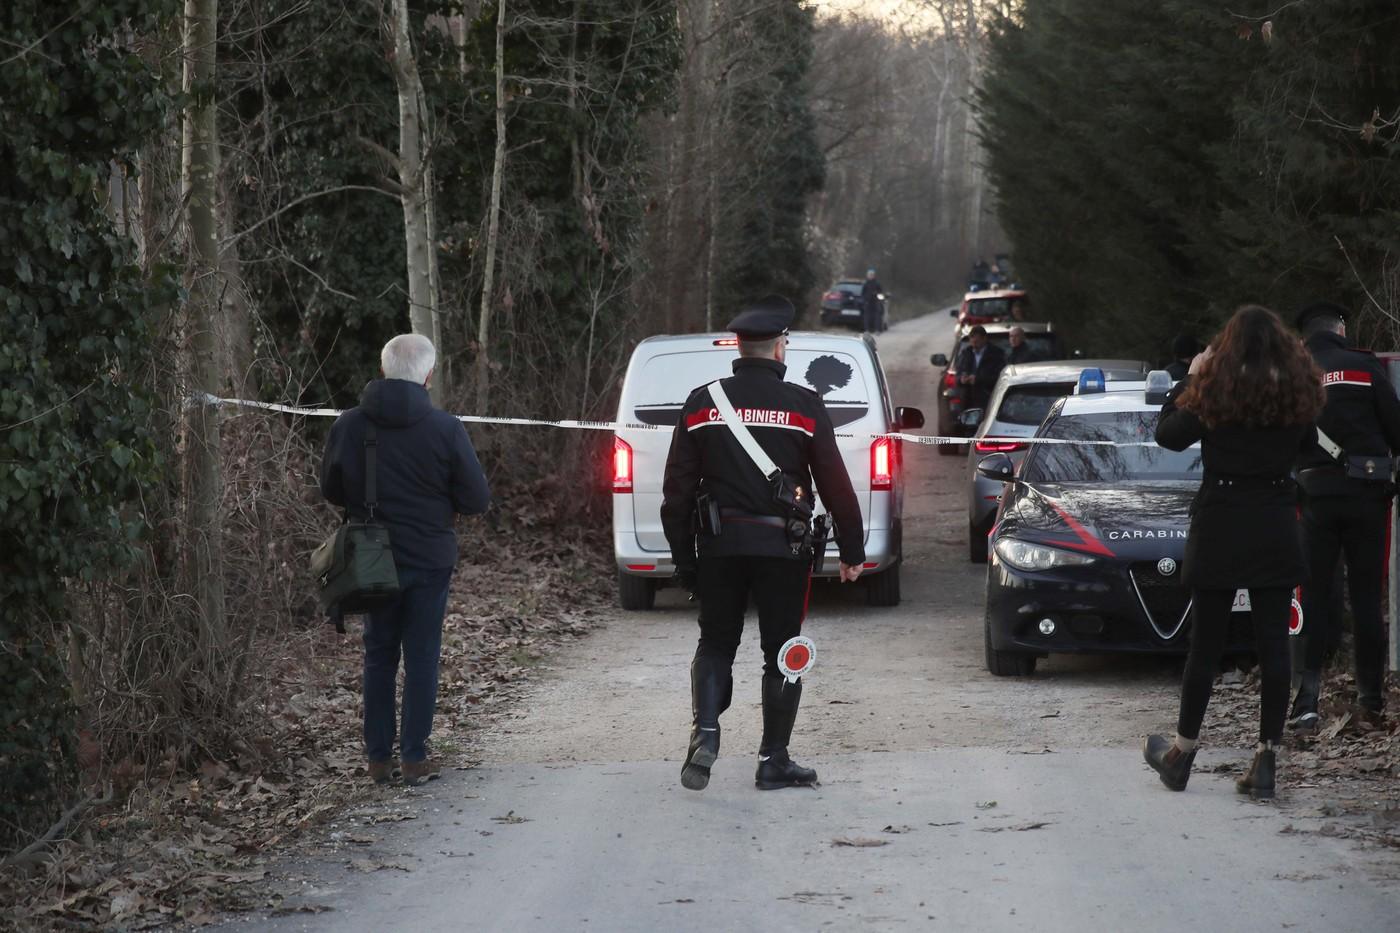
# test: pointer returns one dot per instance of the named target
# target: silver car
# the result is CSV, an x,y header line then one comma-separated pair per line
x,y
844,370
1020,401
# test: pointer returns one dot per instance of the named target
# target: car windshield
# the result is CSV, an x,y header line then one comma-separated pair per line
x,y
990,307
1029,404
667,379
1142,459
1042,345
852,287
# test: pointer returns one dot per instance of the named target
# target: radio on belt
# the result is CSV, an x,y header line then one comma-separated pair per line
x,y
1091,382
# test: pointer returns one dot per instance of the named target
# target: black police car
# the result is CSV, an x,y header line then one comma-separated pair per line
x,y
1086,552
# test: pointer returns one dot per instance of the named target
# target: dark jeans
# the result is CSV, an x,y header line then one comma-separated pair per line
x,y
1210,628
1353,527
412,626
778,586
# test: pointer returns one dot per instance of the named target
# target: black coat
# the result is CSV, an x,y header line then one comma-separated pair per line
x,y
426,470
979,393
1244,519
792,426
1362,416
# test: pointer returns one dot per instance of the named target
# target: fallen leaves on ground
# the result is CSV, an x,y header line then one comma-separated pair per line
x,y
179,848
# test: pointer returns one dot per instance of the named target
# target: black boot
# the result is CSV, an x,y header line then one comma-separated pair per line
x,y
1304,714
1172,765
775,768
1259,782
711,685
1370,685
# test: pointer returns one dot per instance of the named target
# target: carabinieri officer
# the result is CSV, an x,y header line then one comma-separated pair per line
x,y
736,533
1347,489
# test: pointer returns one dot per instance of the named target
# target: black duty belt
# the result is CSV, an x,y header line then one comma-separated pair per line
x,y
750,518
1247,482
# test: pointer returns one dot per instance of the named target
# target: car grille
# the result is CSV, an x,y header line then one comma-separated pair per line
x,y
1165,601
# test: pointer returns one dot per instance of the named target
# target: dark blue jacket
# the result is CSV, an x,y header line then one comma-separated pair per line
x,y
426,471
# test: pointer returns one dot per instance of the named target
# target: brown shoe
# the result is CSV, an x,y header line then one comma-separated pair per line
x,y
382,772
421,772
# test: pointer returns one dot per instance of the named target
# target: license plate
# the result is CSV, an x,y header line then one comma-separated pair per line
x,y
1241,603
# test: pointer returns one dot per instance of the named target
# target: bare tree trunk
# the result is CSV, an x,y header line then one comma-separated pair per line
x,y
412,169
203,474
974,149
493,222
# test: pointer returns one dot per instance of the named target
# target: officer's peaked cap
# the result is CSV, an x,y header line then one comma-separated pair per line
x,y
1321,309
1185,345
764,319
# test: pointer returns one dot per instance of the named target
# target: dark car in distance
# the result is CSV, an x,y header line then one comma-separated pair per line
x,y
1086,552
842,304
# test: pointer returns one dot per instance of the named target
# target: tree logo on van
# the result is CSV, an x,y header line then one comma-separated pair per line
x,y
826,373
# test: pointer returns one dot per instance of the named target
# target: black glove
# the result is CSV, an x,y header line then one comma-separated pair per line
x,y
687,577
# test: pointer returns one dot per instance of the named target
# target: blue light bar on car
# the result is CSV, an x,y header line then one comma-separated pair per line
x,y
1091,382
1159,383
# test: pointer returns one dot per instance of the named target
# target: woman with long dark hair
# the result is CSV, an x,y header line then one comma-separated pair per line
x,y
1250,400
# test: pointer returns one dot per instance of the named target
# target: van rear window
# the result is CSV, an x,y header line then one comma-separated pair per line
x,y
665,381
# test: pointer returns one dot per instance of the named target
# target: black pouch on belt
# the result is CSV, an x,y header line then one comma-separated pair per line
x,y
1370,468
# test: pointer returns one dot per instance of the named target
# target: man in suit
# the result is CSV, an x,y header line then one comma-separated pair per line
x,y
979,365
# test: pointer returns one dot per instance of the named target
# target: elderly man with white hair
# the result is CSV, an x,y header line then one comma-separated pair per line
x,y
426,472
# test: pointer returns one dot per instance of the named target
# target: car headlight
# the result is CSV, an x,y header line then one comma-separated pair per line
x,y
1023,555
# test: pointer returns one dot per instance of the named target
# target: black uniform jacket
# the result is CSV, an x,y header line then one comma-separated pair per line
x,y
1362,415
870,294
993,362
1025,353
1244,519
792,426
425,471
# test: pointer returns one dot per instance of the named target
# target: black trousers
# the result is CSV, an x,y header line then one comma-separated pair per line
x,y
1354,528
1210,629
724,586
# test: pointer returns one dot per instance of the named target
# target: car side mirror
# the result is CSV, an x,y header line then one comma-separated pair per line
x,y
938,359
906,419
997,467
970,418
953,312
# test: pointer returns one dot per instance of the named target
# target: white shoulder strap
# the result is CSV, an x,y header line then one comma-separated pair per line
x,y
741,431
1333,449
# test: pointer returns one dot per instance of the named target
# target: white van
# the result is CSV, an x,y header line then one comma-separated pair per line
x,y
844,370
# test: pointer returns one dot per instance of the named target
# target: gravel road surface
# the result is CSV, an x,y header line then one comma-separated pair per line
x,y
950,799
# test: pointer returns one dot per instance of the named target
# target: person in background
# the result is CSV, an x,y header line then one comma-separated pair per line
x,y
872,298
1184,350
1348,485
1020,309
1021,351
426,472
978,366
1250,401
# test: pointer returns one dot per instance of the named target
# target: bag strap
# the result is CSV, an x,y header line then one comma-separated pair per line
x,y
371,473
741,432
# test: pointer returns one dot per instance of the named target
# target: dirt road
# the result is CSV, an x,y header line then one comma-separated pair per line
x,y
949,799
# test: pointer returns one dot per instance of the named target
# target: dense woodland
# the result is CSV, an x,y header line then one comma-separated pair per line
x,y
246,198
1158,164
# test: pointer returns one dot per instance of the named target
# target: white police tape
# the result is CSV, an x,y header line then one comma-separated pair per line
x,y
926,440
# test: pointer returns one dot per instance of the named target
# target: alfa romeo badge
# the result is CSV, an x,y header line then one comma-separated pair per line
x,y
796,657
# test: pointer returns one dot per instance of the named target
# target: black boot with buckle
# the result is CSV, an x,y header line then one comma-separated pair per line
x,y
1259,782
775,768
1172,765
711,685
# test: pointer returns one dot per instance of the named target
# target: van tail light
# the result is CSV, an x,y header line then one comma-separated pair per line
x,y
999,447
950,379
882,456
832,296
622,465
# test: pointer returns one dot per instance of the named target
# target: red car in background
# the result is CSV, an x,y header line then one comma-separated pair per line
x,y
993,306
